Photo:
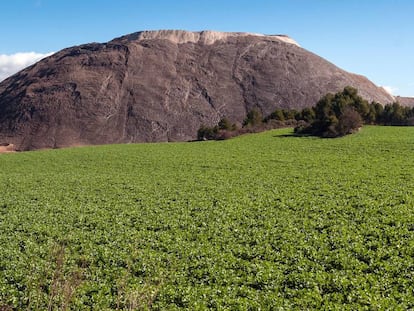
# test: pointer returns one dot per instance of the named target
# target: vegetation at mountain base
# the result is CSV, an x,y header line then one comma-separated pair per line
x,y
345,112
268,221
334,115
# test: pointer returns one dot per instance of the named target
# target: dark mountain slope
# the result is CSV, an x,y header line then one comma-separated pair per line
x,y
161,86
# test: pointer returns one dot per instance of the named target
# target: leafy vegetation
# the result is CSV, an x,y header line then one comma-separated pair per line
x,y
338,114
345,112
253,123
334,115
218,132
267,221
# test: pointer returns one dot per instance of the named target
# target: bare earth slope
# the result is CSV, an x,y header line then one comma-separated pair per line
x,y
161,86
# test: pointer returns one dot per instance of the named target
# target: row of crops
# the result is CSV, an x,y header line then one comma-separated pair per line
x,y
262,222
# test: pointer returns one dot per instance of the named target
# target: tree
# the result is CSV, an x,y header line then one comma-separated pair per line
x,y
393,114
207,133
339,114
254,118
225,124
289,114
349,121
308,115
276,115
374,114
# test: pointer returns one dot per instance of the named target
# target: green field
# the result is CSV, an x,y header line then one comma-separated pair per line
x,y
260,222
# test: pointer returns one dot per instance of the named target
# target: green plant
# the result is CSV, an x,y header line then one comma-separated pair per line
x,y
264,221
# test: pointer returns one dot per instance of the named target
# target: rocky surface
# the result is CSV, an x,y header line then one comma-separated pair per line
x,y
405,101
161,86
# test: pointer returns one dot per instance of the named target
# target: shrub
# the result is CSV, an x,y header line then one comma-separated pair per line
x,y
254,118
333,115
339,114
225,124
349,122
207,133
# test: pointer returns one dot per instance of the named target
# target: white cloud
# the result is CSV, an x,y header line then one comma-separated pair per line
x,y
390,89
10,64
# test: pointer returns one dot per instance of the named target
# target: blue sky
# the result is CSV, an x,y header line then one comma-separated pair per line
x,y
370,37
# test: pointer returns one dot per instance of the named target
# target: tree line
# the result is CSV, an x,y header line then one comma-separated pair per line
x,y
333,115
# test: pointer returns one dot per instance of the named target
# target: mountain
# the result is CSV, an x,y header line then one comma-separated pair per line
x,y
161,86
405,101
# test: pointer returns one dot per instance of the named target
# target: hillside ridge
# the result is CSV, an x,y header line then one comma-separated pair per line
x,y
207,37
163,85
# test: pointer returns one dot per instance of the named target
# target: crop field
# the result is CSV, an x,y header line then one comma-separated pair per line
x,y
265,221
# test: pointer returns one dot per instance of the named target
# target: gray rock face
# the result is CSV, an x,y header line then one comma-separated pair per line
x,y
161,86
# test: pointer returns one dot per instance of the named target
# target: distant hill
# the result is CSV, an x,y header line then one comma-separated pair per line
x,y
405,101
161,86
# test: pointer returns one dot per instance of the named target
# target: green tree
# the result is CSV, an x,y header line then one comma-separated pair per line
x,y
254,118
289,114
225,124
374,114
308,115
277,115
349,121
207,133
339,114
394,114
